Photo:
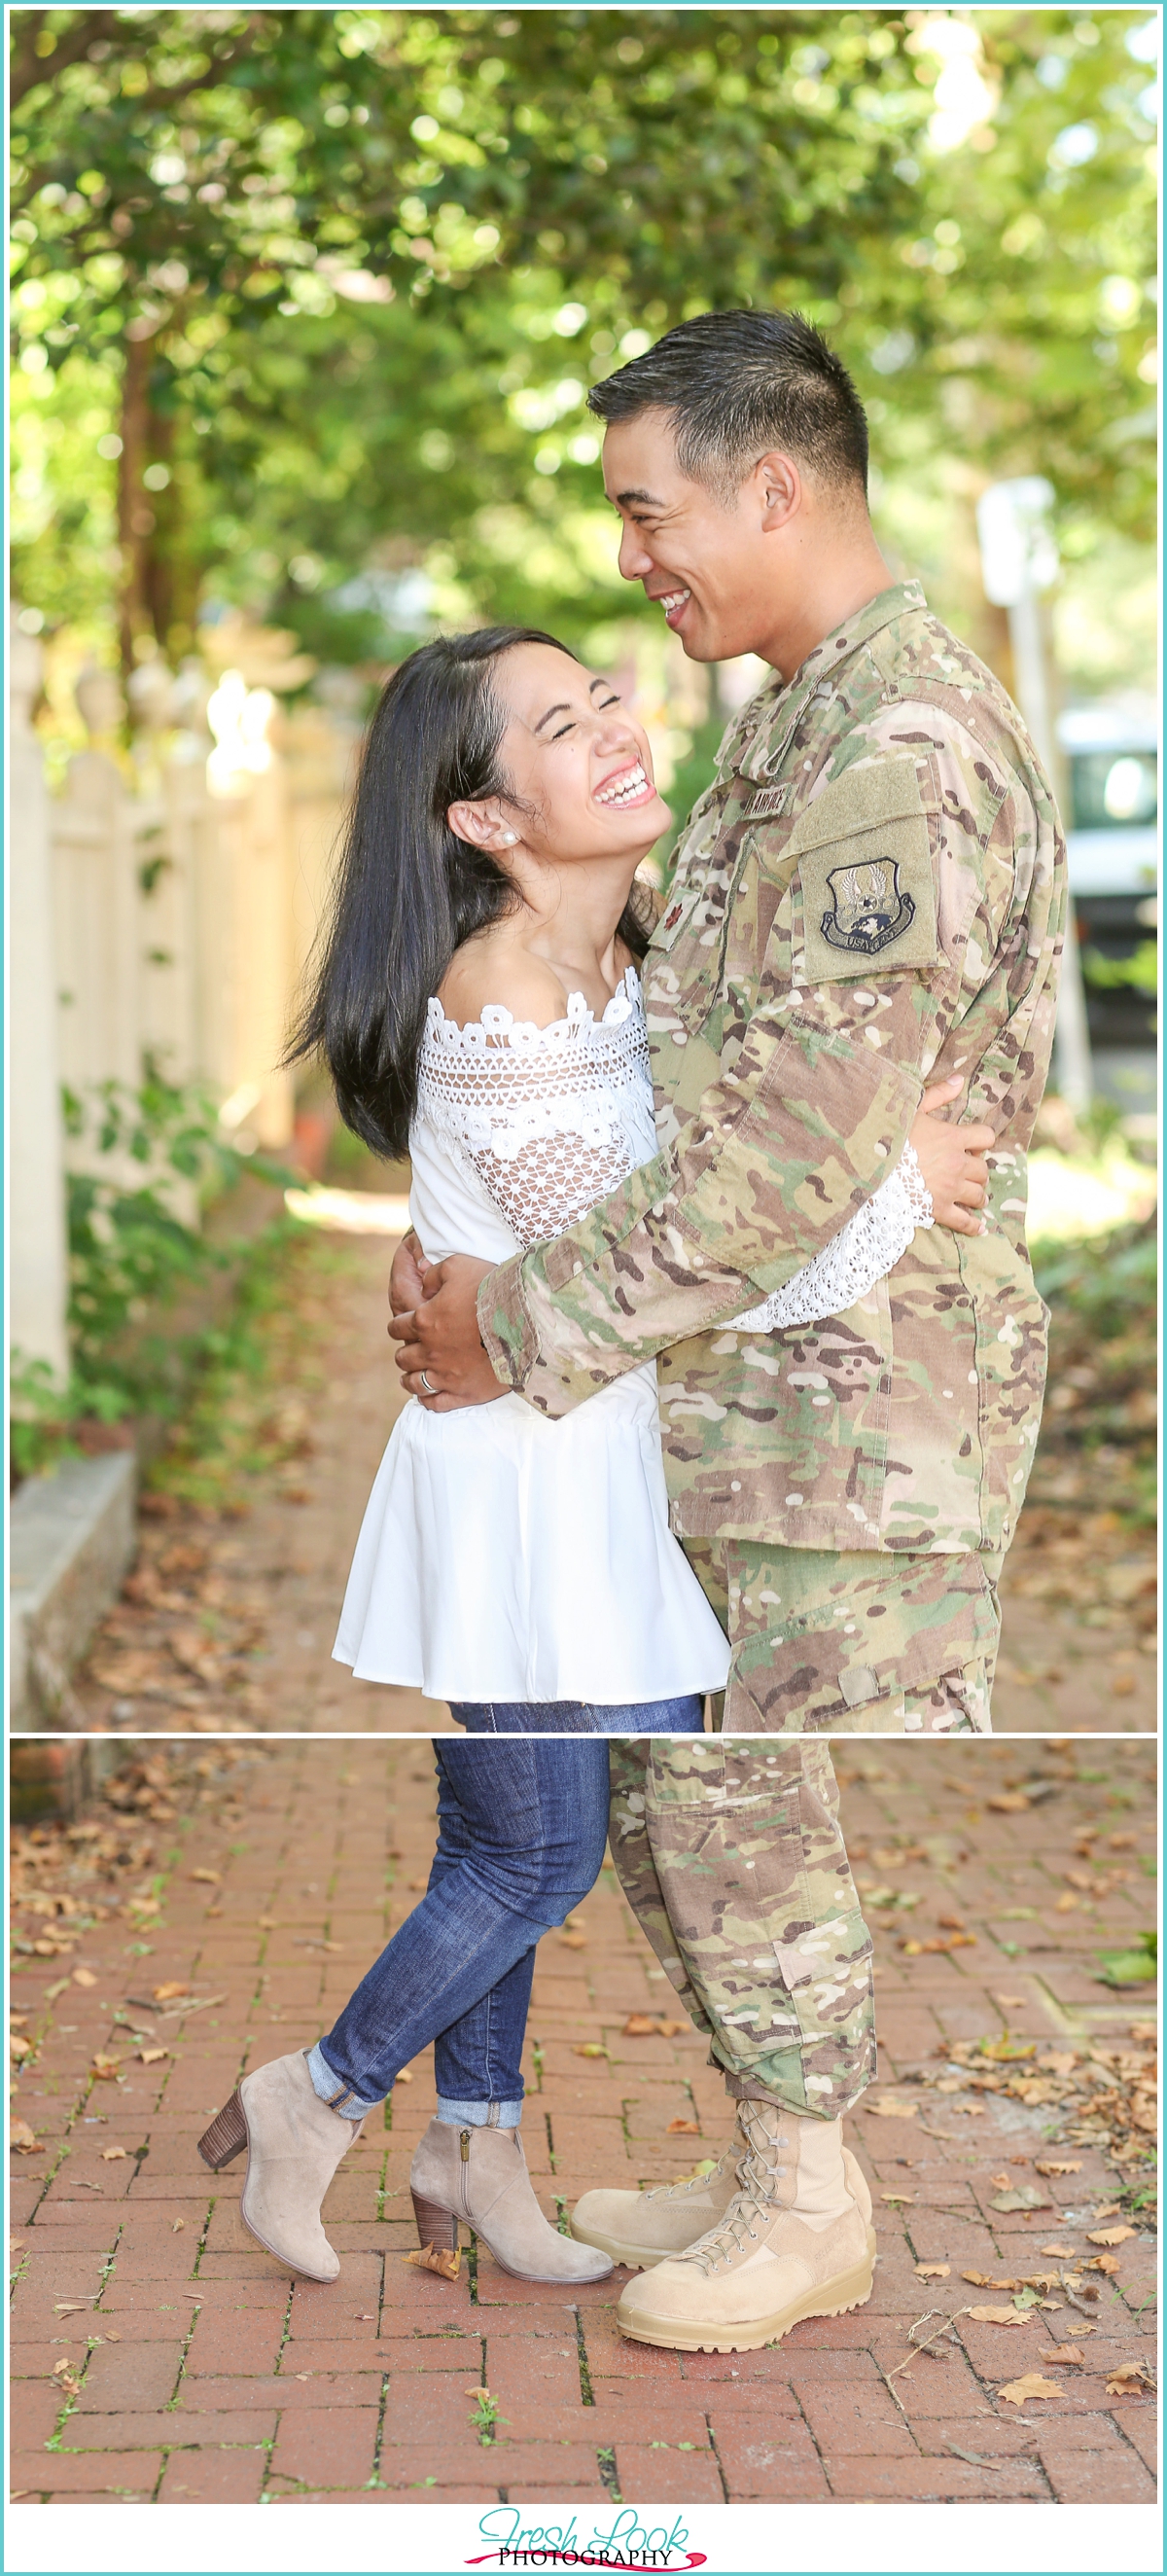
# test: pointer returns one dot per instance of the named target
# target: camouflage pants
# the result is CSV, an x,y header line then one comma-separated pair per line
x,y
852,1643
734,1865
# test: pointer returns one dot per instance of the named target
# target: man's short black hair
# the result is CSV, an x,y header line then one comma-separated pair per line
x,y
738,384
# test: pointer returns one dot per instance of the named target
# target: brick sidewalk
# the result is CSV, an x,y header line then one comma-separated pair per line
x,y
199,2373
229,1622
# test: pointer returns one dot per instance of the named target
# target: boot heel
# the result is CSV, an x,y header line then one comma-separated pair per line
x,y
436,2227
226,2137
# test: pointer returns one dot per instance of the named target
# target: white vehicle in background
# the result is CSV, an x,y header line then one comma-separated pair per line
x,y
1111,756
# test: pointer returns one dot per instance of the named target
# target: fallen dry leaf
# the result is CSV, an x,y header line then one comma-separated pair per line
x,y
1102,2263
1025,2198
167,1994
446,2263
889,2108
1066,1905
18,2047
650,2026
1055,2165
112,2335
23,2139
933,2271
574,1940
999,2316
1008,1802
1062,2357
1079,2326
1108,2235
150,2056
1057,2249
176,2226
589,2048
113,2155
1129,2378
1019,2391
209,1877
683,2129
105,2068
404,2077
84,1977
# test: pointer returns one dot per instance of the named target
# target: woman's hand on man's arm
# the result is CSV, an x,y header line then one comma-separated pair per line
x,y
951,1159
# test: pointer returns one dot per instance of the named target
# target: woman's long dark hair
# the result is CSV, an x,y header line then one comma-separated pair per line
x,y
408,892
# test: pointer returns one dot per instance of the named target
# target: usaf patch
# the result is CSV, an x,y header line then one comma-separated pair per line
x,y
864,868
868,908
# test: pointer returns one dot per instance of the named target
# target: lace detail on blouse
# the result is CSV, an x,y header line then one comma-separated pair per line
x,y
865,1249
552,1119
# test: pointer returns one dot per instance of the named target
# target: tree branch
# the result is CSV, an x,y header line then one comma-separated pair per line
x,y
29,67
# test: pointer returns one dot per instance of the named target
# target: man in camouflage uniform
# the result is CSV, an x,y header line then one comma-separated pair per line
x,y
870,897
732,1859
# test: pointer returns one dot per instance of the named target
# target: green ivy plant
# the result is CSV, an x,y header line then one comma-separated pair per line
x,y
131,1252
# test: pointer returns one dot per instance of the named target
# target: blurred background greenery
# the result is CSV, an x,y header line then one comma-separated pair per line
x,y
307,303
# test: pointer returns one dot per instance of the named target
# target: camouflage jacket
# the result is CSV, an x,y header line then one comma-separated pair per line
x,y
870,896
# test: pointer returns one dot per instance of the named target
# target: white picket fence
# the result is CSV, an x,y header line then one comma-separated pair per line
x,y
168,912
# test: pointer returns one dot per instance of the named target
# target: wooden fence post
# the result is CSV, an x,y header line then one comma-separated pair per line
x,y
39,1264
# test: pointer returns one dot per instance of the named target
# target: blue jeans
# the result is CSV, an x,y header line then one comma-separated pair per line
x,y
579,1717
521,1836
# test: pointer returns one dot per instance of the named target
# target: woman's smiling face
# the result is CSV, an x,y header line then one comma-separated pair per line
x,y
579,763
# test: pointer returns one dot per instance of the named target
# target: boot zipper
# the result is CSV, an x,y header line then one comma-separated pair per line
x,y
464,2178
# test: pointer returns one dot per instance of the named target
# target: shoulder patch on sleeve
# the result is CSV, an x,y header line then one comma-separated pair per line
x,y
865,869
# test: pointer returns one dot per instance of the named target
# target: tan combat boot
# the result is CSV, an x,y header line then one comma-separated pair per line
x,y
640,2228
294,2144
793,2243
478,2178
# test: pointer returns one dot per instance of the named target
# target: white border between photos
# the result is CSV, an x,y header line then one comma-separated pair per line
x,y
731,2540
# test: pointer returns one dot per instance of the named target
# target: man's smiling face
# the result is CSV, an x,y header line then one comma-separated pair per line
x,y
701,555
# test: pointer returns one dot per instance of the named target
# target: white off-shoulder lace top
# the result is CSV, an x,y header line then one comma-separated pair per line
x,y
549,1120
505,1557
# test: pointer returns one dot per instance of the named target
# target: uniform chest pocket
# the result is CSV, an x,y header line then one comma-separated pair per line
x,y
864,887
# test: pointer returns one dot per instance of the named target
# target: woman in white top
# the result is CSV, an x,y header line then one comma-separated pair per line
x,y
478,1003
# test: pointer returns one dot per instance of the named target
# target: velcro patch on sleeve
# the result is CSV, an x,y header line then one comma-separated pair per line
x,y
865,872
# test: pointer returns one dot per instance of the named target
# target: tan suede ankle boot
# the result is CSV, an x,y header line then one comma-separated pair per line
x,y
794,2242
640,2228
478,2178
294,2144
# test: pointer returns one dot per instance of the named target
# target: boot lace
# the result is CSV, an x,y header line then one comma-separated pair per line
x,y
759,2173
689,2182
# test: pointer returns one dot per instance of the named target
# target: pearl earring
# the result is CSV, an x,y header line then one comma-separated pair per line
x,y
509,839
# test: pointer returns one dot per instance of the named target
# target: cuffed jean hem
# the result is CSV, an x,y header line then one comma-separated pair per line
x,y
479,2115
330,2088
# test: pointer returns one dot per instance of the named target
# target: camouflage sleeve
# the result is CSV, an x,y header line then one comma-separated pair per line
x,y
815,1092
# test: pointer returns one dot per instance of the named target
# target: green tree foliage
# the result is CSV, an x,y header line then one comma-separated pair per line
x,y
338,280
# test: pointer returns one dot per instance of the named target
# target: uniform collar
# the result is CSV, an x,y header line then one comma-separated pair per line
x,y
765,723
